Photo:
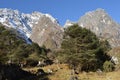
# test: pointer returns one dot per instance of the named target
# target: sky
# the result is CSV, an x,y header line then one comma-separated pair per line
x,y
64,10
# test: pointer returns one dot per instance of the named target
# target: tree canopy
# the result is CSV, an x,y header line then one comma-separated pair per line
x,y
82,50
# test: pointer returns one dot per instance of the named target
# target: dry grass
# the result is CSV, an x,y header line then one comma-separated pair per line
x,y
64,73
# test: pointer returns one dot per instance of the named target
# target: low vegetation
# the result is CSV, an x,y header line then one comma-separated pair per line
x,y
64,73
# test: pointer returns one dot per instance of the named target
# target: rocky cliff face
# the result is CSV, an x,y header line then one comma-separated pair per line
x,y
47,32
102,25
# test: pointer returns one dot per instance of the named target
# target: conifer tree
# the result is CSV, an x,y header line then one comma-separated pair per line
x,y
81,48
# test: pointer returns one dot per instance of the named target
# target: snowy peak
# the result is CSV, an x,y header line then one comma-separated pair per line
x,y
40,28
22,22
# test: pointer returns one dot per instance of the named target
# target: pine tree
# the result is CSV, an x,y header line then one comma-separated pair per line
x,y
80,49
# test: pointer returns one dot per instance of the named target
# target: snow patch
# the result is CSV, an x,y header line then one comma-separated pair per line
x,y
68,23
97,29
49,16
81,25
103,20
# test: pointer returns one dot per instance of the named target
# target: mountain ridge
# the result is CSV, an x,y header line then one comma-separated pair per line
x,y
24,23
43,25
16,19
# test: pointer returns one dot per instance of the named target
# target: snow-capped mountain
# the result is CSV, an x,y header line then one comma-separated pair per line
x,y
23,23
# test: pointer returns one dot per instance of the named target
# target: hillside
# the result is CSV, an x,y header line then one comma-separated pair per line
x,y
14,48
65,73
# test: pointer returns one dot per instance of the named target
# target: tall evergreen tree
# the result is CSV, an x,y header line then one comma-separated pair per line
x,y
81,48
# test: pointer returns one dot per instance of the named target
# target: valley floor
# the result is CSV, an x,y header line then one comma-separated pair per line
x,y
62,72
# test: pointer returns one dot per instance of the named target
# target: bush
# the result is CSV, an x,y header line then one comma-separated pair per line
x,y
108,66
31,62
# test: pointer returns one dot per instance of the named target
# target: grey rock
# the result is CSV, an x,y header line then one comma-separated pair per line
x,y
102,25
47,33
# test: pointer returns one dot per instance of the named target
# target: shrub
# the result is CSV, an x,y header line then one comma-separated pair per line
x,y
108,66
31,62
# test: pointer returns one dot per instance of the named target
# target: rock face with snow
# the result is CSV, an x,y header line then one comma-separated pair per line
x,y
102,25
41,28
69,23
23,23
47,32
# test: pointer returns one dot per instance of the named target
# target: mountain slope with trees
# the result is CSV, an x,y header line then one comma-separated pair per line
x,y
14,48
